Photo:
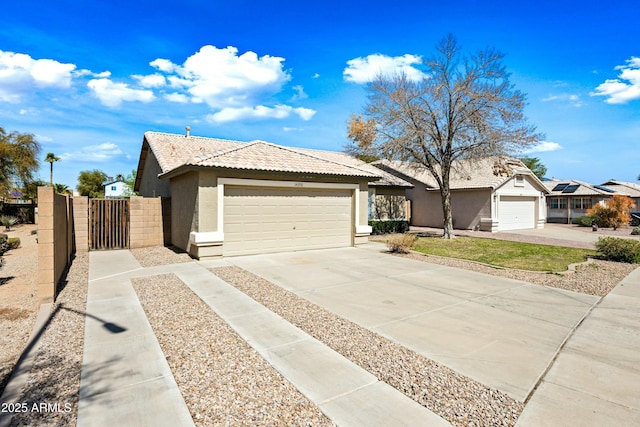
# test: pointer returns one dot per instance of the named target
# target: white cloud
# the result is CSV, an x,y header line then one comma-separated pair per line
x,y
543,147
569,98
151,81
94,153
223,79
300,94
180,98
260,112
364,70
163,65
626,87
42,138
19,73
112,94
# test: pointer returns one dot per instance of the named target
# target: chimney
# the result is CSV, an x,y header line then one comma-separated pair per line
x,y
188,131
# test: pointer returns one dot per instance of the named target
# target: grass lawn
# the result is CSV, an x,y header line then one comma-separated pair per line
x,y
502,253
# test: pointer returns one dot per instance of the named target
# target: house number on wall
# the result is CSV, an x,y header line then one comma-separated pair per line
x,y
298,184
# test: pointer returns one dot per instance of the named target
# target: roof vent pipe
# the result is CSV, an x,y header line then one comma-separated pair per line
x,y
188,131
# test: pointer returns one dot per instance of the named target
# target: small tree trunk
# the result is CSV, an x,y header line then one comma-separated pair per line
x,y
51,174
445,192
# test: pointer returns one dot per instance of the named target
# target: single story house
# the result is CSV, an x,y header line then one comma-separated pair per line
x,y
630,189
570,199
234,198
116,189
490,194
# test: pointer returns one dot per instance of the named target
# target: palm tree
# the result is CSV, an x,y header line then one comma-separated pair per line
x,y
50,159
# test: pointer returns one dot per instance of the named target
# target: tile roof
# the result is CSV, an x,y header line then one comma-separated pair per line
x,y
386,179
489,172
174,151
630,189
579,188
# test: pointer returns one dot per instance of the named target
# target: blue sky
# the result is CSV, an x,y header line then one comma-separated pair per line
x,y
89,78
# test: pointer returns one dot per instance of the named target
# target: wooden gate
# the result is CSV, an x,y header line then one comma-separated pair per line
x,y
109,224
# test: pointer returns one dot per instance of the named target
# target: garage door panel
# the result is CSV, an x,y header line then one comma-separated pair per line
x,y
516,213
259,220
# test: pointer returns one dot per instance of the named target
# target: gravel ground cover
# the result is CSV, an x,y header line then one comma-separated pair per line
x,y
594,278
55,375
18,298
458,399
159,255
223,380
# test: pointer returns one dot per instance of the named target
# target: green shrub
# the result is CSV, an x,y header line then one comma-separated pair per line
x,y
621,250
401,243
4,247
389,226
583,221
8,221
14,242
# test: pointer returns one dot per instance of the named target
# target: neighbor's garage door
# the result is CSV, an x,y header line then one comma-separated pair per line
x,y
515,213
263,219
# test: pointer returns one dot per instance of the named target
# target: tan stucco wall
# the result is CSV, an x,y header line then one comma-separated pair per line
x,y
467,207
150,184
207,207
183,208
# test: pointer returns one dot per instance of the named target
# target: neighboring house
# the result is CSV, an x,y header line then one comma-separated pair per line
x,y
233,198
388,198
491,194
570,199
630,189
116,189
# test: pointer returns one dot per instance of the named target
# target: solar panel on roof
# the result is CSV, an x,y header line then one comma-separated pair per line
x,y
571,188
559,187
608,190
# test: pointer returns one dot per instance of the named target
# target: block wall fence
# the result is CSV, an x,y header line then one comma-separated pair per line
x,y
63,229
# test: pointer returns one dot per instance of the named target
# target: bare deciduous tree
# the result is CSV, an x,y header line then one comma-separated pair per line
x,y
465,109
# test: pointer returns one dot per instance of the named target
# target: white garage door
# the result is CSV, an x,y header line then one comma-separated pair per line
x,y
264,219
516,213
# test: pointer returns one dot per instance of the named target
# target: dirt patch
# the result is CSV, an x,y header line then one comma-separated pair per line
x,y
13,313
18,297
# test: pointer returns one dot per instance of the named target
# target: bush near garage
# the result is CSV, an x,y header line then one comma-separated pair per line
x,y
583,221
401,243
389,226
616,249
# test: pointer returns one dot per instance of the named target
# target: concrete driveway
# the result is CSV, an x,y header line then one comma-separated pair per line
x,y
501,332
561,232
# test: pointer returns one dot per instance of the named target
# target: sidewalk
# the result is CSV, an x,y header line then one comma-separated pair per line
x,y
127,381
595,380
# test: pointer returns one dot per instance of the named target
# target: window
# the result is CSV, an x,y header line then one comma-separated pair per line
x,y
114,188
519,182
583,203
557,203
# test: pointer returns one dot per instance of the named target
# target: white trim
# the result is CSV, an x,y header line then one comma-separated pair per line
x,y
363,229
209,238
286,184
